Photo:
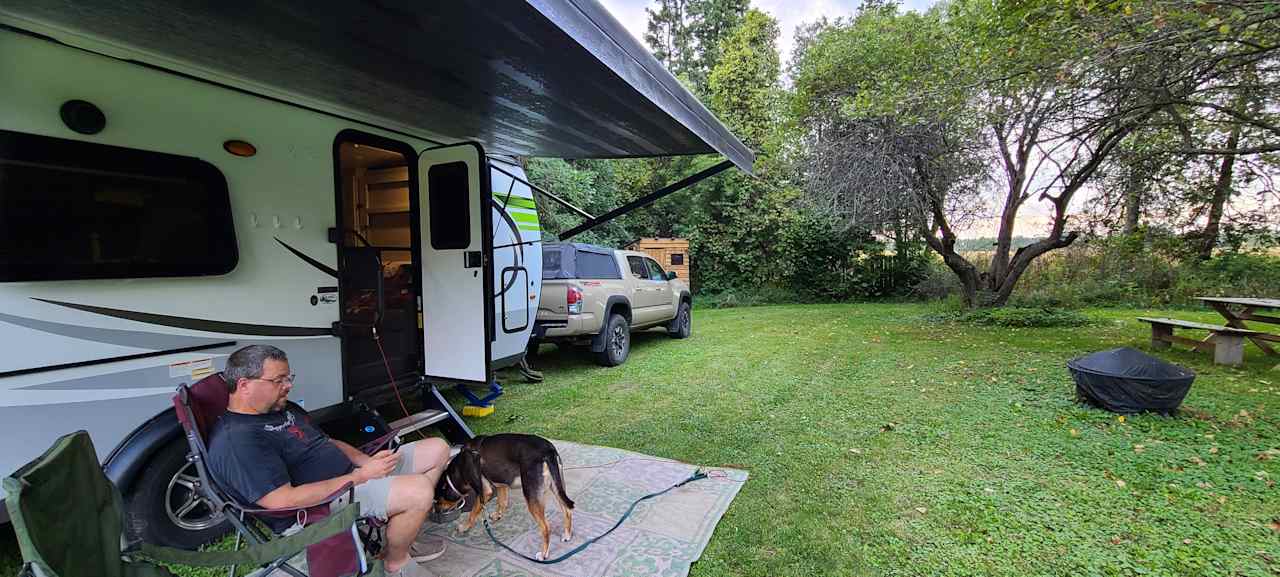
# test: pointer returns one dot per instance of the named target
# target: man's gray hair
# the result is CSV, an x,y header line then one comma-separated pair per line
x,y
246,363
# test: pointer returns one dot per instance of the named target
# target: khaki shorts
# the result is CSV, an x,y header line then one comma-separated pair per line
x,y
374,496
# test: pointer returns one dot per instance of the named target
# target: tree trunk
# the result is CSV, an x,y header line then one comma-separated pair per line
x,y
1132,202
1221,191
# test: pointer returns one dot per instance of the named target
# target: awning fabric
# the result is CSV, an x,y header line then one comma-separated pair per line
x,y
556,78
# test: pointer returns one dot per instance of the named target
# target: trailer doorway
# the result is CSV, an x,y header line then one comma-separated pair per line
x,y
378,281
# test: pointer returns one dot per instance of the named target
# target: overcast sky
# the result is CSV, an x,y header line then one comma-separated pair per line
x,y
789,13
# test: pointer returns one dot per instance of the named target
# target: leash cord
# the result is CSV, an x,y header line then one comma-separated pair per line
x,y
697,474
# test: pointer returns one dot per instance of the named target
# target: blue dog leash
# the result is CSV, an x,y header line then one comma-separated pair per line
x,y
697,474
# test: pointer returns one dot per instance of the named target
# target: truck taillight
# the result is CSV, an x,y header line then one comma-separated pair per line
x,y
574,298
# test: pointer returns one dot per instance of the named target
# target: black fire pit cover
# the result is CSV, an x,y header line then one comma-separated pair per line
x,y
1126,380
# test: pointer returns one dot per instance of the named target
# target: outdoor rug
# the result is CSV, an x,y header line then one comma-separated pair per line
x,y
663,536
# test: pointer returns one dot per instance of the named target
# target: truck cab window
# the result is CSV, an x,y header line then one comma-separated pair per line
x,y
638,267
655,270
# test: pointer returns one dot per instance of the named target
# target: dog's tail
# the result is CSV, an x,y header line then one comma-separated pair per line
x,y
553,464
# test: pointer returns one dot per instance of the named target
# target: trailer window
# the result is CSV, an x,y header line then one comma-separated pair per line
x,y
450,206
79,210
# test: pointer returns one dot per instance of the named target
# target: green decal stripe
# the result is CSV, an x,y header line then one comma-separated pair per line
x,y
515,201
524,217
530,227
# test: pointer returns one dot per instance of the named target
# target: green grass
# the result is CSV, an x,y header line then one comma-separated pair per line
x,y
883,443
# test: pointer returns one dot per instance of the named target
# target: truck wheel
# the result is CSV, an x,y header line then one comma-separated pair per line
x,y
164,509
682,325
617,342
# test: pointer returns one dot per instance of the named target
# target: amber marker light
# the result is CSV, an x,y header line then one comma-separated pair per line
x,y
239,148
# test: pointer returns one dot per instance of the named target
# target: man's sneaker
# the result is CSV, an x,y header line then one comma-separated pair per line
x,y
427,547
410,569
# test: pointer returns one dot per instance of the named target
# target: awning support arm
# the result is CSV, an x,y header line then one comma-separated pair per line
x,y
647,199
561,201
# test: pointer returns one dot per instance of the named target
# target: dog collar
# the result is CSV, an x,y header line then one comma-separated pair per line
x,y
453,488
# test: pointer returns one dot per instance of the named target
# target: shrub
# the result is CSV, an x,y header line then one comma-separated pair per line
x,y
1023,317
750,297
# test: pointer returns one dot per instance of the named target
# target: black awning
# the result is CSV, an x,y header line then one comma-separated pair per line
x,y
557,78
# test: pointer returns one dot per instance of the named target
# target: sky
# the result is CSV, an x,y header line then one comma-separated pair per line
x,y
790,13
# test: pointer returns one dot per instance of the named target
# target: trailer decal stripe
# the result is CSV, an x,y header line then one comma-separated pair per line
x,y
94,382
524,217
516,201
311,261
207,325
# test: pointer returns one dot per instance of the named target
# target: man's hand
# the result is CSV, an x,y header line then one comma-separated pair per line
x,y
378,466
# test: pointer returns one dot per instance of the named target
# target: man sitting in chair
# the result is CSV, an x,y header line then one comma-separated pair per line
x,y
264,451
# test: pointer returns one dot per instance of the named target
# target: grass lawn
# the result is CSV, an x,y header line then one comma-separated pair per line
x,y
881,443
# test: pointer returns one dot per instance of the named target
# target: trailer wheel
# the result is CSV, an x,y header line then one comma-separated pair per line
x,y
163,508
617,341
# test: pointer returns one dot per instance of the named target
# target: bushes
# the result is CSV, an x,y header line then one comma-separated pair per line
x,y
1023,317
1122,272
812,260
1135,271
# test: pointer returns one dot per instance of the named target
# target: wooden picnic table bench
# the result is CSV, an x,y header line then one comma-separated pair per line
x,y
1249,308
1226,343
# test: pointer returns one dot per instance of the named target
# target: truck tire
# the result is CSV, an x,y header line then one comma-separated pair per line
x,y
161,507
617,341
682,325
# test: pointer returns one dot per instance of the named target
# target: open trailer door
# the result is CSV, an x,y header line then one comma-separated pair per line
x,y
457,272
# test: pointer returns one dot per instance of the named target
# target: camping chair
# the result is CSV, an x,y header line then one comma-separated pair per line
x,y
197,408
69,521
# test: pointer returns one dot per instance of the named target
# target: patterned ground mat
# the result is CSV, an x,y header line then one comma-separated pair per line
x,y
662,537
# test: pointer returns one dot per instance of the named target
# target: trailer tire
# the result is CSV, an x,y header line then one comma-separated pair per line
x,y
160,493
617,341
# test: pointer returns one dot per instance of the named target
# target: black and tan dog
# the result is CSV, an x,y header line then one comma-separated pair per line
x,y
486,465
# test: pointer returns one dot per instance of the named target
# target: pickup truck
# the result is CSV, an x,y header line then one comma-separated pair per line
x,y
594,295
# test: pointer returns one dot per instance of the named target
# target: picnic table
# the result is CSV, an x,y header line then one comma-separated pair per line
x,y
1248,311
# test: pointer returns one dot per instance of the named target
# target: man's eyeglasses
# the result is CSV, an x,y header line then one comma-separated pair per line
x,y
280,381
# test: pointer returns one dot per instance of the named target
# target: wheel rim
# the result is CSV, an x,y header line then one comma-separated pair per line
x,y
618,341
184,505
684,320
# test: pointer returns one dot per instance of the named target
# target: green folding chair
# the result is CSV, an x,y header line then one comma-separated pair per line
x,y
68,519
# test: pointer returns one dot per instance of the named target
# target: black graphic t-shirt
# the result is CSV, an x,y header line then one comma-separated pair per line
x,y
252,455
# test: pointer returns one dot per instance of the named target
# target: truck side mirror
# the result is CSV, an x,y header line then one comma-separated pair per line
x,y
671,275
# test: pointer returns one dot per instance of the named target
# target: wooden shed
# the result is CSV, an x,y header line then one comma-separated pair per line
x,y
671,253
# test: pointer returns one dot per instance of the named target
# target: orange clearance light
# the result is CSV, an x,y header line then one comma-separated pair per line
x,y
239,148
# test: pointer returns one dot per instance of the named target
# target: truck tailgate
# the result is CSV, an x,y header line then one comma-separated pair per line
x,y
553,305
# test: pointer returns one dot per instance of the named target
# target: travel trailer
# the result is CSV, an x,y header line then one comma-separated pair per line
x,y
341,181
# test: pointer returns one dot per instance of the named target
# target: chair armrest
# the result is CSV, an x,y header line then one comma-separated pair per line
x,y
377,444
291,511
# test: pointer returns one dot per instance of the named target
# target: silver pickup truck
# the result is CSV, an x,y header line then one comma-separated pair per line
x,y
593,295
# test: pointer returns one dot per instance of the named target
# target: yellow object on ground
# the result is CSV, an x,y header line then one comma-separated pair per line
x,y
474,411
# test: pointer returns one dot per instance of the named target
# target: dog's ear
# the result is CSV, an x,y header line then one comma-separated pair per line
x,y
471,472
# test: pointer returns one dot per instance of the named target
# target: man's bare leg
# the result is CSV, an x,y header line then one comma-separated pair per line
x,y
430,457
407,507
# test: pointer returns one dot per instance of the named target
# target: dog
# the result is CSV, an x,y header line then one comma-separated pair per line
x,y
489,464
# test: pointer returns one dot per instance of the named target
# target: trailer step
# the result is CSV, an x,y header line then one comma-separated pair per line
x,y
419,420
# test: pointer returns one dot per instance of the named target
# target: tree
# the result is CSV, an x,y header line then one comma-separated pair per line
x,y
711,21
670,37
743,85
1051,89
